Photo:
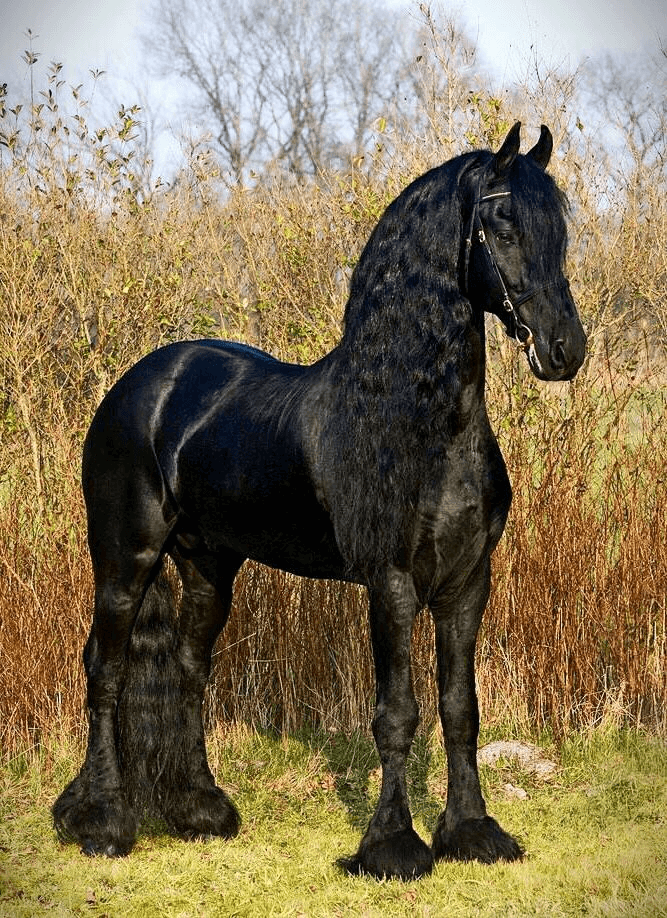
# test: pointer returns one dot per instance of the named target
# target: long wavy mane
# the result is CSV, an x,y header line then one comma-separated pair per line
x,y
408,333
410,340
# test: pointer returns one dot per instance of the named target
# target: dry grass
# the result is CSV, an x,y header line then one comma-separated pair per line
x,y
595,834
95,271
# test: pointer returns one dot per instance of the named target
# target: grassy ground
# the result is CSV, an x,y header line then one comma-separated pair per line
x,y
595,833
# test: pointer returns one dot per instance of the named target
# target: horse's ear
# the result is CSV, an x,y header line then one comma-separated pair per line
x,y
541,152
502,161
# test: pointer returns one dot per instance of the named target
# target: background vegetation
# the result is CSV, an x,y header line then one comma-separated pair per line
x,y
101,262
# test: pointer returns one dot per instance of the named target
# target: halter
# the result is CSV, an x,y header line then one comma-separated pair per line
x,y
522,333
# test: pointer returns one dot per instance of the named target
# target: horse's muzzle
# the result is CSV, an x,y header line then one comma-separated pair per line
x,y
562,358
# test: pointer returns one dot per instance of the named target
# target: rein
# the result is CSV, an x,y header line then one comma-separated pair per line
x,y
522,332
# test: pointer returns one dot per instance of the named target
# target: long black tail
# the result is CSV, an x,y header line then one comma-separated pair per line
x,y
150,714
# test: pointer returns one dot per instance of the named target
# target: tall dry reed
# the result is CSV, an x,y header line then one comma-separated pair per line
x,y
95,271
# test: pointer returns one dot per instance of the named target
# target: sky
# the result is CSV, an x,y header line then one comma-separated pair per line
x,y
82,34
562,31
104,35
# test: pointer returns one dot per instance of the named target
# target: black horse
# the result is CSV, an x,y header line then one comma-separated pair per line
x,y
375,465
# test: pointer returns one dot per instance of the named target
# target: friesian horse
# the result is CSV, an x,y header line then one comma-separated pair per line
x,y
375,465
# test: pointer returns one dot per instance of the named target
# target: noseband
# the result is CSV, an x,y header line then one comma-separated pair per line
x,y
522,332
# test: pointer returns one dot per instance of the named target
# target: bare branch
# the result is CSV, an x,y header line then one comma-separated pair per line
x,y
296,82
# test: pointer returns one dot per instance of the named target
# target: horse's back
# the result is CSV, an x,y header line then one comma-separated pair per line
x,y
221,433
132,411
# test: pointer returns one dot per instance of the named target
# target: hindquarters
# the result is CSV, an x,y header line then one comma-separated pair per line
x,y
196,453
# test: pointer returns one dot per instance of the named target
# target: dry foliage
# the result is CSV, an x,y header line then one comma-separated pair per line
x,y
96,270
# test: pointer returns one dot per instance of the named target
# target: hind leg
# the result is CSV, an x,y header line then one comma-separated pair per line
x,y
93,809
129,521
194,805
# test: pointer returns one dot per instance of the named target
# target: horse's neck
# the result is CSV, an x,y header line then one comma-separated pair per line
x,y
427,384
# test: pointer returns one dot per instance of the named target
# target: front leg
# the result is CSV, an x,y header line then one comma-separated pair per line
x,y
390,846
464,832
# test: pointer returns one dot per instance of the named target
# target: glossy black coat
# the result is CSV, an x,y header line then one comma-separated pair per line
x,y
375,465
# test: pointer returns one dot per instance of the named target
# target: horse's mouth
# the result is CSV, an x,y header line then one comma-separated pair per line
x,y
549,373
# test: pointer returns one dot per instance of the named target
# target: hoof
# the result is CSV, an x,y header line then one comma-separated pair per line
x,y
202,813
475,840
94,847
100,823
402,855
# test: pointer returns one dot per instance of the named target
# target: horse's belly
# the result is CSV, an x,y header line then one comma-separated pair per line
x,y
287,529
306,551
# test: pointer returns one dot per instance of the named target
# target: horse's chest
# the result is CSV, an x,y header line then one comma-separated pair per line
x,y
463,518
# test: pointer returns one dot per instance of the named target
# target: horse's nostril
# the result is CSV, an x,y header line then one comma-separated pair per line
x,y
558,357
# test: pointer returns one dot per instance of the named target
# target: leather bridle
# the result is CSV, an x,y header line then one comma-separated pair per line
x,y
522,332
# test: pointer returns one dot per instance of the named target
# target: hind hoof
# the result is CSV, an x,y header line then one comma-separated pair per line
x,y
202,813
100,824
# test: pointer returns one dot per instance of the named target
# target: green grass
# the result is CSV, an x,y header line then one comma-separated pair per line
x,y
596,836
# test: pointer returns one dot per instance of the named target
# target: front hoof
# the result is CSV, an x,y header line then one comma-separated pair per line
x,y
202,813
402,855
100,823
475,840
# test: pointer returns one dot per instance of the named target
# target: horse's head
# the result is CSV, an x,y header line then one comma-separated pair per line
x,y
515,257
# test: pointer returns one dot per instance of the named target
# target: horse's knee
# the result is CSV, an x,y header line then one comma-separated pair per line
x,y
394,726
459,715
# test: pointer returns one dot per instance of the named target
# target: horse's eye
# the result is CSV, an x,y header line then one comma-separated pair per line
x,y
505,238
